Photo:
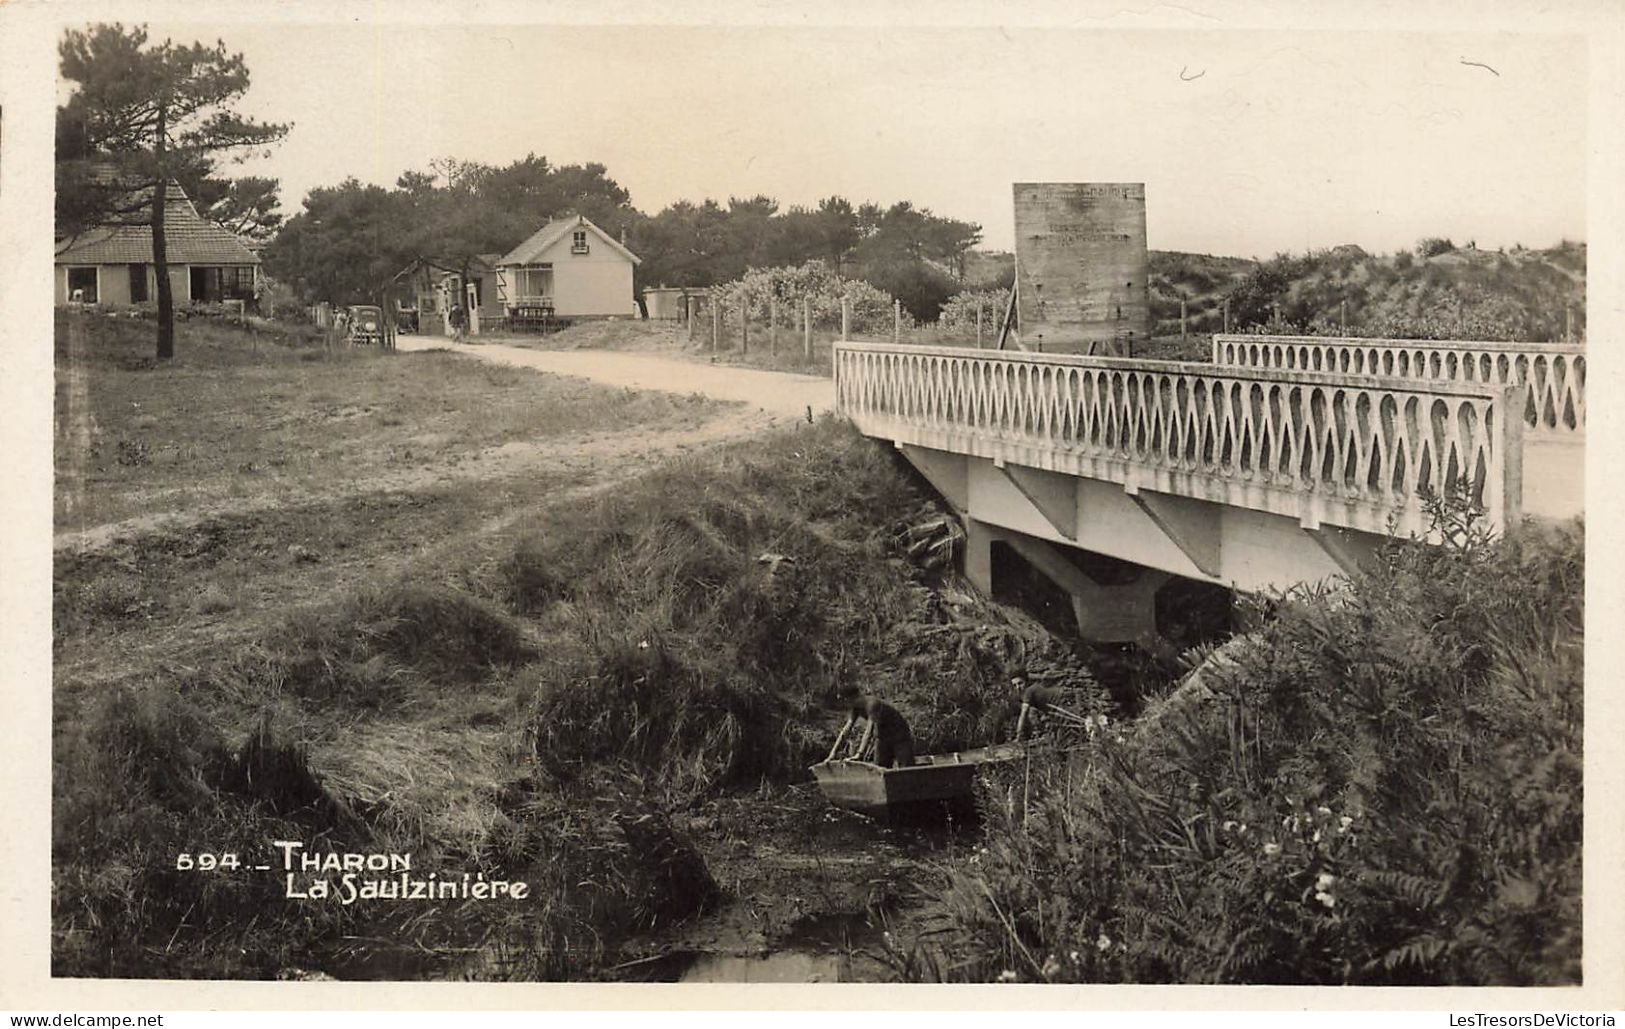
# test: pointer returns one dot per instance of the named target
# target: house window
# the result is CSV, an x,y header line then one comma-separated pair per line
x,y
536,282
210,284
578,242
138,283
82,281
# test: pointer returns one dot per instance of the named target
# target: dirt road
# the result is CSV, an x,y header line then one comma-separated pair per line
x,y
781,394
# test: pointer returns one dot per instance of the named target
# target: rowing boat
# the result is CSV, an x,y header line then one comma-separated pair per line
x,y
867,788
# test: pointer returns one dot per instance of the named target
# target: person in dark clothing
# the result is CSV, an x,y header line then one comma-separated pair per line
x,y
1041,700
894,743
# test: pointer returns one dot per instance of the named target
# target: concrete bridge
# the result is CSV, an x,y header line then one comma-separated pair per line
x,y
1285,460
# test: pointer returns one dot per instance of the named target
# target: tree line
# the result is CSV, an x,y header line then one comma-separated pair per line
x,y
349,240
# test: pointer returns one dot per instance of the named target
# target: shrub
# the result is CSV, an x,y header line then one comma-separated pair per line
x,y
1384,790
960,310
869,309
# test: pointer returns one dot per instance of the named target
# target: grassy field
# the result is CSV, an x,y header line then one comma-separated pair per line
x,y
543,647
235,419
261,543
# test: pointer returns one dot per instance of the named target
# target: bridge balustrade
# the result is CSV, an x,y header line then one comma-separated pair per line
x,y
1553,374
1350,450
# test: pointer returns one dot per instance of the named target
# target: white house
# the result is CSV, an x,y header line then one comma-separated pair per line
x,y
572,268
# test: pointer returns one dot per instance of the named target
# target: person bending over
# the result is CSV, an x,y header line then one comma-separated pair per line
x,y
894,744
1041,700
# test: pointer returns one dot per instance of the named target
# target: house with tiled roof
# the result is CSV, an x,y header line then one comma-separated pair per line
x,y
571,268
112,263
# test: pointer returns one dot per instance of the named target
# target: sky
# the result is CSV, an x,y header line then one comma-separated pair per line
x,y
1249,143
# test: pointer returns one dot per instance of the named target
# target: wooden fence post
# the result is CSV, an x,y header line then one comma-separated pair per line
x,y
744,325
896,321
978,326
716,324
1343,317
846,318
1568,323
773,325
1226,314
806,327
690,309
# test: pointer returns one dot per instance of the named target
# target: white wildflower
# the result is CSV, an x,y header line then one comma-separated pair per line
x,y
1316,837
1051,968
1323,811
1075,956
1325,881
1229,825
1344,823
1243,828
1326,899
1103,942
1006,976
1272,849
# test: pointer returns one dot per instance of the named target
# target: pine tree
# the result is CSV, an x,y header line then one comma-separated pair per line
x,y
150,114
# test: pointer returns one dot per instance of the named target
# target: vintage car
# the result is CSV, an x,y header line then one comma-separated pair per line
x,y
364,325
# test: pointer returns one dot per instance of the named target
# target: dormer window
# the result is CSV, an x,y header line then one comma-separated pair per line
x,y
578,242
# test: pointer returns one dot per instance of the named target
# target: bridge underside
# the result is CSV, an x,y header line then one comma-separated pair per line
x,y
1041,514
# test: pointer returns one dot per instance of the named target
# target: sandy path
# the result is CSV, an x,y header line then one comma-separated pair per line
x,y
781,394
605,458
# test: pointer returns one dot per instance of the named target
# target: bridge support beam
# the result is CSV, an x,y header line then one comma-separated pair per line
x,y
1054,495
1346,549
1191,525
1118,613
945,472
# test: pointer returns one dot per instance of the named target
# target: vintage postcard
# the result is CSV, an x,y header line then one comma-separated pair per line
x,y
1022,501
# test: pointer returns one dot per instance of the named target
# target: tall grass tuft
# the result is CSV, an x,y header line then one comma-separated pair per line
x,y
376,646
